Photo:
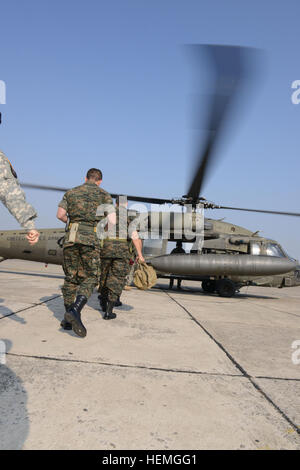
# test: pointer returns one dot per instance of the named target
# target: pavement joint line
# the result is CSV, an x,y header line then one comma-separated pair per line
x,y
126,366
157,369
280,311
231,358
287,379
240,368
28,308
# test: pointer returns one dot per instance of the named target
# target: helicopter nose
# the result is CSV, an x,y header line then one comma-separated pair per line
x,y
297,275
292,278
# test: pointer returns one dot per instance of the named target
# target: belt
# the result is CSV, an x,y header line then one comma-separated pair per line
x,y
90,228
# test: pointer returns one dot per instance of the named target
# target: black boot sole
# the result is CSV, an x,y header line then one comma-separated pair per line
x,y
65,325
109,316
77,326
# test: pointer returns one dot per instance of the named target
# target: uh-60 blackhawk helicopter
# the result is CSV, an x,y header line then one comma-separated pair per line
x,y
224,256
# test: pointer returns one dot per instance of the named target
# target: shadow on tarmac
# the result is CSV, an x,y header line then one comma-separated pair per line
x,y
14,421
56,306
198,290
8,313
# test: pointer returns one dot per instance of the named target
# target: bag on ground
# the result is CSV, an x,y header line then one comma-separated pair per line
x,y
144,276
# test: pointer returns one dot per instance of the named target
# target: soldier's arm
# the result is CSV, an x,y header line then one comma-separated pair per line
x,y
138,245
62,215
112,219
106,216
13,197
62,210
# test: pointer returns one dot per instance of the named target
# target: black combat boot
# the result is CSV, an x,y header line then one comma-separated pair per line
x,y
109,315
103,302
64,324
73,315
118,303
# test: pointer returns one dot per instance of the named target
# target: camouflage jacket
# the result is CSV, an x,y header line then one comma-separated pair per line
x,y
13,197
119,245
81,204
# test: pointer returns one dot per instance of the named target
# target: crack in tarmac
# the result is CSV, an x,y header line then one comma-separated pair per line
x,y
126,366
244,375
157,369
277,310
239,367
30,306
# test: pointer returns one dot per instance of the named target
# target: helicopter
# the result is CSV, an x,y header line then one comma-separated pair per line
x,y
231,256
228,256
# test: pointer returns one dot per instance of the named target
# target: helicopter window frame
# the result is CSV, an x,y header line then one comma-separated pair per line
x,y
272,249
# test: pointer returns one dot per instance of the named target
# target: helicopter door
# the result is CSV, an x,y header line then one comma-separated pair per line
x,y
255,249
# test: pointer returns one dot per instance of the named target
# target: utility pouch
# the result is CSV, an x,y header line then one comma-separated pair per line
x,y
73,229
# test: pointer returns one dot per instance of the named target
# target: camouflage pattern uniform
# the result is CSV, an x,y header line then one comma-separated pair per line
x,y
13,197
133,266
115,256
81,245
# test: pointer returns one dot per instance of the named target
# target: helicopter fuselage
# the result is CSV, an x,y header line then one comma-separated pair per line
x,y
225,245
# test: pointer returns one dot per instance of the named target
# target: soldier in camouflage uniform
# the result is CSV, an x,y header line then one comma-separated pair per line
x,y
81,254
13,197
115,256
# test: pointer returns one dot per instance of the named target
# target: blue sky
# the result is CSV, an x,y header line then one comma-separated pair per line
x,y
107,84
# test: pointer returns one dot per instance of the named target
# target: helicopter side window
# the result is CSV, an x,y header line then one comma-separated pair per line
x,y
274,250
255,249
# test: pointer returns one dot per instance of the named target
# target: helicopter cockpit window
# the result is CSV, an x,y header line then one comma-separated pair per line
x,y
255,249
274,250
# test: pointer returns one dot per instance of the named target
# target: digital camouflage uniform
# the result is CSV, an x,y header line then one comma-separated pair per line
x,y
115,256
13,197
81,256
130,275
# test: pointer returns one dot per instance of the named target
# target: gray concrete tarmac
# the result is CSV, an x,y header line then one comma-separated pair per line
x,y
176,369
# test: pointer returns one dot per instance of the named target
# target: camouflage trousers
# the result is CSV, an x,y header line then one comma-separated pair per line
x,y
81,268
113,276
130,275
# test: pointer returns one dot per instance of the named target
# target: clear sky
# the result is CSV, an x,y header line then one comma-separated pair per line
x,y
106,83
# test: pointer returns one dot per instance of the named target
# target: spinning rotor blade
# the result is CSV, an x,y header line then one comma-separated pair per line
x,y
153,200
47,188
228,66
294,214
150,200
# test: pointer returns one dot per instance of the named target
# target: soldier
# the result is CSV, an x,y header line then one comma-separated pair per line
x,y
115,256
178,250
13,197
81,245
132,264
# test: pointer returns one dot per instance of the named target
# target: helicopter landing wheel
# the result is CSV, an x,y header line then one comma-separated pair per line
x,y
209,286
226,288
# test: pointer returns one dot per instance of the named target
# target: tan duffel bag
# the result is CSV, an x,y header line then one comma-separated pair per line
x,y
144,276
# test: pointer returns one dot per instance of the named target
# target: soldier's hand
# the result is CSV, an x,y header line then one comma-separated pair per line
x,y
32,237
141,258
